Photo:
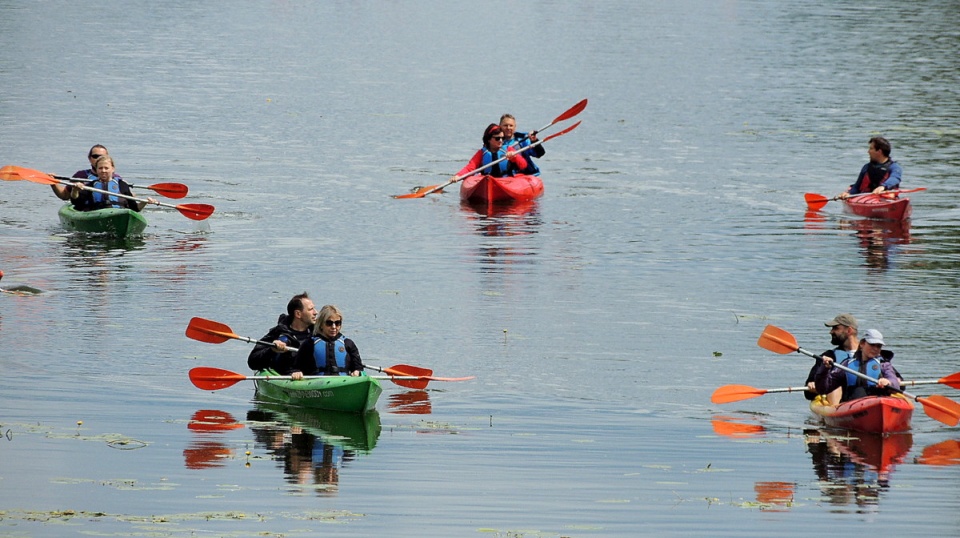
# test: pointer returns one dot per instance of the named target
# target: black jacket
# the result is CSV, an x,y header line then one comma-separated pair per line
x,y
264,356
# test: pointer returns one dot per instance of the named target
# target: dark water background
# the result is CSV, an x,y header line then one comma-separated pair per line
x,y
598,321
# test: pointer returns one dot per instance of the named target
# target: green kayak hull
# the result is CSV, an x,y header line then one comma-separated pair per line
x,y
334,393
117,221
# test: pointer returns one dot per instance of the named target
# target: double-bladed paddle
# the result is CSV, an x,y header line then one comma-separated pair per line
x,y
423,191
405,375
18,173
207,378
939,408
815,202
569,113
735,393
169,190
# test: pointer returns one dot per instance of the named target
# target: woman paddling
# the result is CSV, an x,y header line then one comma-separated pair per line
x,y
328,352
491,151
87,200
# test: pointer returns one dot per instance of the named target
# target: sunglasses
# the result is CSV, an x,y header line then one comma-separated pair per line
x,y
496,138
332,323
96,156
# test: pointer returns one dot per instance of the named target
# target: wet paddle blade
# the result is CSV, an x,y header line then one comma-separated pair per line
x,y
777,340
420,192
735,393
195,211
941,409
207,378
407,370
815,202
170,190
209,331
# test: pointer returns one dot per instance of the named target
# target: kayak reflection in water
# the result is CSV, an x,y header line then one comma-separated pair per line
x,y
855,470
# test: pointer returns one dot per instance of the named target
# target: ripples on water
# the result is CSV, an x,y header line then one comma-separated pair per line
x,y
597,320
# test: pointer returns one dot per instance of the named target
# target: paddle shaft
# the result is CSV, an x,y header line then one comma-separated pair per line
x,y
117,194
170,190
571,112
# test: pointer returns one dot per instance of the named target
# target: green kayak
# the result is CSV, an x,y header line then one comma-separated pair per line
x,y
120,222
334,393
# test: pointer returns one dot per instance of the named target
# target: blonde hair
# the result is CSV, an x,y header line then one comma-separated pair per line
x,y
326,312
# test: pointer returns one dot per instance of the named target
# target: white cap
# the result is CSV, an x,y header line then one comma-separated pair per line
x,y
873,336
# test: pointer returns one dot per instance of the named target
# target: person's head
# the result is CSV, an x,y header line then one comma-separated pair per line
x,y
329,321
508,125
872,343
104,168
95,153
492,137
879,149
841,328
301,311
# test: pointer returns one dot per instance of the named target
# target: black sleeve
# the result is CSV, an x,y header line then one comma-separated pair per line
x,y
263,355
353,356
304,361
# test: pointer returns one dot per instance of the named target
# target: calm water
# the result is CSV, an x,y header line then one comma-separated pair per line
x,y
597,321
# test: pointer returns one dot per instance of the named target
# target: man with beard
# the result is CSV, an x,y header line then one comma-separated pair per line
x,y
843,335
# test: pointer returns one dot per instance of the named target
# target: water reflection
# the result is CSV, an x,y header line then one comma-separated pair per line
x,y
500,225
312,444
411,402
879,241
855,470
208,450
852,468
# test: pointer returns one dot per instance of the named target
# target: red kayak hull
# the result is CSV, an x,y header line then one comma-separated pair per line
x,y
478,188
876,206
872,414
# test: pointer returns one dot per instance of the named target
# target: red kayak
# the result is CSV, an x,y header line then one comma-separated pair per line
x,y
878,206
478,188
872,414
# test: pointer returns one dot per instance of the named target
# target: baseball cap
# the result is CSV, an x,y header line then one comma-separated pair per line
x,y
847,320
873,336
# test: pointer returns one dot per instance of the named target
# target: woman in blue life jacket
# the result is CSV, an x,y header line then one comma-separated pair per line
x,y
327,352
491,151
871,360
87,200
85,176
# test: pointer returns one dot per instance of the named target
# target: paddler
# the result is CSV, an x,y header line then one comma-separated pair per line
x,y
880,174
843,335
87,200
514,141
491,151
328,351
85,176
871,360
291,330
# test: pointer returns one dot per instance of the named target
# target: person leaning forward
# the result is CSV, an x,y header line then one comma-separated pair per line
x,y
871,360
291,330
843,335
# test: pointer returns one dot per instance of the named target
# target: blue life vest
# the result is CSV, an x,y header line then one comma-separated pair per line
x,y
499,169
871,369
339,359
517,143
113,186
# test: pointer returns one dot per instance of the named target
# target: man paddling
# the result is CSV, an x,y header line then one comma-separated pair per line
x,y
292,328
843,335
878,175
514,141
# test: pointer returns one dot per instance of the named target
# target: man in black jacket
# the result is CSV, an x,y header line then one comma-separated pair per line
x,y
292,328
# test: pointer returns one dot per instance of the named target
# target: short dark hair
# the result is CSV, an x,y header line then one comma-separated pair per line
x,y
296,303
882,144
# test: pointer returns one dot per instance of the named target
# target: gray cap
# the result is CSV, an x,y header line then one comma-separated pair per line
x,y
873,336
847,320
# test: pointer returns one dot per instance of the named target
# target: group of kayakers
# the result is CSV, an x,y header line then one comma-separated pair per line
x,y
502,142
863,354
306,341
102,176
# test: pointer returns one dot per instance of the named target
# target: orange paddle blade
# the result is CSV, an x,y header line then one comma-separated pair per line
x,y
735,393
170,190
195,211
815,201
941,408
407,370
952,380
419,192
17,173
777,340
209,331
206,378
573,111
